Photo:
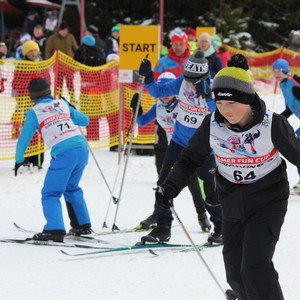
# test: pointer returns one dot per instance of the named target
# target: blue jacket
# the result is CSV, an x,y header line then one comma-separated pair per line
x,y
182,133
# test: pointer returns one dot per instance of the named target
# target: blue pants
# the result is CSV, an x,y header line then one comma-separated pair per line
x,y
63,177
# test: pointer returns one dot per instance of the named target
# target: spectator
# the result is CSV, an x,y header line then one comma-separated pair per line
x,y
221,49
3,51
191,34
100,44
22,75
40,38
23,39
61,40
65,42
32,19
214,61
177,54
112,40
51,22
88,54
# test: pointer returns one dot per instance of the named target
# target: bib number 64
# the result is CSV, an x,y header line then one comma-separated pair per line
x,y
238,176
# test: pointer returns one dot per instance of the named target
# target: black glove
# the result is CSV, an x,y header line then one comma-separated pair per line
x,y
296,92
202,89
164,196
145,68
17,165
134,103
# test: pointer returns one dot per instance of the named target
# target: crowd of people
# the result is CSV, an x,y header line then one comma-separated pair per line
x,y
45,31
208,119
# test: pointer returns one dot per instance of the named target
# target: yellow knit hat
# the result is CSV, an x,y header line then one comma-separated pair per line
x,y
29,46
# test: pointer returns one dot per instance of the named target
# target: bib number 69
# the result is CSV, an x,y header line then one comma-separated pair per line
x,y
188,119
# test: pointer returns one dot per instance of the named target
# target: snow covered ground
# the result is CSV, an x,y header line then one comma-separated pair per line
x,y
39,272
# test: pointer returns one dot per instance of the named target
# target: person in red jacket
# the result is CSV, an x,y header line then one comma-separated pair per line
x,y
175,60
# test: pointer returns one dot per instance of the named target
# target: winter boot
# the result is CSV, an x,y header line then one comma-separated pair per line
x,y
81,230
160,234
148,223
204,223
231,295
216,238
296,188
50,235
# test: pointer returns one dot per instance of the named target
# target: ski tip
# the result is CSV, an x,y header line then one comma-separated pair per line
x,y
16,225
64,252
152,252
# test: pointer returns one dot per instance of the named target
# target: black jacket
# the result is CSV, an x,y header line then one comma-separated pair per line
x,y
239,200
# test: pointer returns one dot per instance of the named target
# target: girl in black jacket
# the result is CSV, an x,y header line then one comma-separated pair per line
x,y
251,178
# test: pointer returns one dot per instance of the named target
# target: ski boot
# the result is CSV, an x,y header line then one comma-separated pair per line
x,y
160,234
216,238
147,224
231,295
204,223
296,188
50,235
81,230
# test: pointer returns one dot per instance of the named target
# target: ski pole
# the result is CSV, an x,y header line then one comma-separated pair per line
x,y
197,250
98,167
115,227
111,199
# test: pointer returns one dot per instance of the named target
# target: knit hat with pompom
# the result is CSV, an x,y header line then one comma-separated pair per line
x,y
38,87
234,83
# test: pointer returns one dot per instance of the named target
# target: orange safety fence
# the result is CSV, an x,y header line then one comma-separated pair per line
x,y
93,90
97,92
260,66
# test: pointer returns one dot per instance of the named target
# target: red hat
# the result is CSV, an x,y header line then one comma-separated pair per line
x,y
63,25
190,31
179,36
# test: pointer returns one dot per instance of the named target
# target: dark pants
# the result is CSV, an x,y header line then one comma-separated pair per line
x,y
160,147
164,216
248,251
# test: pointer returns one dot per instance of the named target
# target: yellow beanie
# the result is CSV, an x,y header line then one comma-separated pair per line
x,y
29,46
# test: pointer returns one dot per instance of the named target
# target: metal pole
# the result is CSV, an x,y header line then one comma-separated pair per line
x,y
197,250
161,20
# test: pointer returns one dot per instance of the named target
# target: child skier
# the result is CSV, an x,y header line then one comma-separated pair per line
x,y
195,102
58,123
290,85
252,187
165,111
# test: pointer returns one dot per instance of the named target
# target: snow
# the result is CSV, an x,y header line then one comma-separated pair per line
x,y
40,272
